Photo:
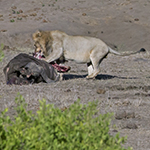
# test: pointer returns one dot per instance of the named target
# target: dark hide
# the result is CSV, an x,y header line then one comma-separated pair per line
x,y
26,69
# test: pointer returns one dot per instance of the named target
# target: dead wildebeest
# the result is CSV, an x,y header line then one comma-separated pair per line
x,y
26,69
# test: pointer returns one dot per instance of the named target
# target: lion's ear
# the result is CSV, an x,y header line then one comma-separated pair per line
x,y
38,33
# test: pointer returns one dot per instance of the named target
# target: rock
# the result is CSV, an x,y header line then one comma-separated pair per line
x,y
120,114
24,15
126,103
130,114
64,108
3,31
6,47
39,18
44,21
68,90
130,125
114,130
84,14
136,19
33,14
35,9
100,91
13,7
20,11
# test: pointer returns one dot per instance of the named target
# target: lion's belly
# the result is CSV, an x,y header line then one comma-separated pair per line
x,y
78,57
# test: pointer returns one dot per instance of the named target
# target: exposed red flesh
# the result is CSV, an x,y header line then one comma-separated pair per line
x,y
59,68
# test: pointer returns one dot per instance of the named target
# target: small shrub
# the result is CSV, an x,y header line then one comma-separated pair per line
x,y
19,18
1,52
12,20
75,128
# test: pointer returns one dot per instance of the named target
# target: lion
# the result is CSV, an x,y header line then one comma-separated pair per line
x,y
81,49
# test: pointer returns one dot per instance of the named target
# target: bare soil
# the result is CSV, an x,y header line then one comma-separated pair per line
x,y
122,86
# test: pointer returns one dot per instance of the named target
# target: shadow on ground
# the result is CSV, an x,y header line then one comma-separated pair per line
x,y
99,77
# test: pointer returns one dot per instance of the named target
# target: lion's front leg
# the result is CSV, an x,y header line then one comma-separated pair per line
x,y
56,52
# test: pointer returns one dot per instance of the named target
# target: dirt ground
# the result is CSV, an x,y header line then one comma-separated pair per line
x,y
122,86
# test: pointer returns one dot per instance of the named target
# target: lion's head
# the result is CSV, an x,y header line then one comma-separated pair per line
x,y
43,42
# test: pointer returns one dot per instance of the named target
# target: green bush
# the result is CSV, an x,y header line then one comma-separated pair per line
x,y
1,52
76,128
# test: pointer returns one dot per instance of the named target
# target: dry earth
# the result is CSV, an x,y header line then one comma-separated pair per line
x,y
122,86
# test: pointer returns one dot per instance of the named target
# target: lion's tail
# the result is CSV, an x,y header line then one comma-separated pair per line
x,y
125,53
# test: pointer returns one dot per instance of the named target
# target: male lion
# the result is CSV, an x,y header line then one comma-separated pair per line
x,y
82,49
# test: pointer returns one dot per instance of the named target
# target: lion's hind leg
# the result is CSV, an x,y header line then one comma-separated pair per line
x,y
90,68
93,69
96,58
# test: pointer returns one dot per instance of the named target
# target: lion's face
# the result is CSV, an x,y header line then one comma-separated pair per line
x,y
38,49
42,40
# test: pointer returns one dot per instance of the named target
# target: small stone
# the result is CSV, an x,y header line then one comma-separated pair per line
x,y
13,7
131,125
20,11
39,18
124,114
100,91
130,114
35,9
136,19
84,14
120,114
68,90
3,30
126,103
23,15
44,21
33,14
64,108
114,130
6,47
